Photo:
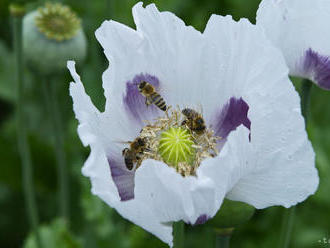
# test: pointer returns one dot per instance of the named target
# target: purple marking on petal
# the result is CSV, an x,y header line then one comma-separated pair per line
x,y
232,114
123,178
134,102
317,67
201,220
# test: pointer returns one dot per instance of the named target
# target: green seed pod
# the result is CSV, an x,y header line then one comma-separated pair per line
x,y
175,146
16,10
232,214
51,36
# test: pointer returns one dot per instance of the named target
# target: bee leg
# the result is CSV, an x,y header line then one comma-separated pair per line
x,y
148,150
166,111
147,102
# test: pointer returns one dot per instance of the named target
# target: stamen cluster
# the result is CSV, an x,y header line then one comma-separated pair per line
x,y
204,145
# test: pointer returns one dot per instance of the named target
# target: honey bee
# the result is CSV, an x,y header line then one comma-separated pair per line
x,y
194,120
152,97
133,154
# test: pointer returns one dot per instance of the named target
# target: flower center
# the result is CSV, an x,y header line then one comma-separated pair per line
x,y
175,145
57,22
170,140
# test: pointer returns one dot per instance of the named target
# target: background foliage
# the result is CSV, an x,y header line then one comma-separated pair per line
x,y
94,224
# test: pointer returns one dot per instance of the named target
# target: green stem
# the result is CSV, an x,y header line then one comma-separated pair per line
x,y
109,9
23,146
222,241
306,88
289,214
222,238
52,106
178,233
287,224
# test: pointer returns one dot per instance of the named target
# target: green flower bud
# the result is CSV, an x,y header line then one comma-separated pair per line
x,y
232,214
51,36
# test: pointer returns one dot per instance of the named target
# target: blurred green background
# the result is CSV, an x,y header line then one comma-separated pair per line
x,y
93,223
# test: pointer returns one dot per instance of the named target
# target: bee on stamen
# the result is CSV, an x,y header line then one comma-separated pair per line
x,y
151,95
134,153
193,120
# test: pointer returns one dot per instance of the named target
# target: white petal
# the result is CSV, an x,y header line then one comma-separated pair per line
x,y
83,107
176,49
104,135
162,46
88,130
95,131
138,211
283,171
283,165
243,61
122,47
295,26
228,167
93,121
172,196
228,60
260,78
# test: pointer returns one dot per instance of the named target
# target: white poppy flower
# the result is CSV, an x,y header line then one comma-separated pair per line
x,y
300,29
238,80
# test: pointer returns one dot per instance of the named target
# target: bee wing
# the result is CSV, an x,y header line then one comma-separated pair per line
x,y
163,93
200,108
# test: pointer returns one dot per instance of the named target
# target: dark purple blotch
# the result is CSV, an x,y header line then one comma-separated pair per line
x,y
123,178
201,220
134,102
135,105
230,116
318,68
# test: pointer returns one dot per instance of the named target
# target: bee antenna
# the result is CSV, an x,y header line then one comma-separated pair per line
x,y
200,106
122,142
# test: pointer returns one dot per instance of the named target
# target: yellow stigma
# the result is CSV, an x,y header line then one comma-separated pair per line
x,y
57,22
176,145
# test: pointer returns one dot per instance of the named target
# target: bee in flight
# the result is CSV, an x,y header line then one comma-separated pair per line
x,y
193,120
152,97
133,154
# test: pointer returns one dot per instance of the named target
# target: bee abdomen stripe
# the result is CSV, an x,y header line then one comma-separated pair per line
x,y
155,97
162,104
159,102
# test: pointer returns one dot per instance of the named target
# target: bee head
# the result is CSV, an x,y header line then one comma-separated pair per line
x,y
185,111
142,85
141,141
200,121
